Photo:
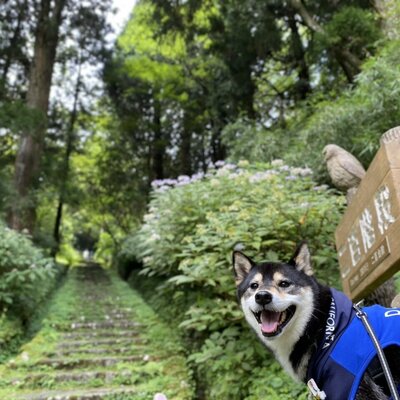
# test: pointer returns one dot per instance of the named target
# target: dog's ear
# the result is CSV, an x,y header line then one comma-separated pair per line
x,y
302,259
241,266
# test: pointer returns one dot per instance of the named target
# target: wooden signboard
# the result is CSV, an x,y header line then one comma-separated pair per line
x,y
368,236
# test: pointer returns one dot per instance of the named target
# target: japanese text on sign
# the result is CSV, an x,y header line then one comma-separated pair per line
x,y
372,223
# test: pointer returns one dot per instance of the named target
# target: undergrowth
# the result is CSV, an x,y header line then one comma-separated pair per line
x,y
27,278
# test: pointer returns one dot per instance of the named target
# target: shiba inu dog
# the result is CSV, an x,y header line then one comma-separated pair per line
x,y
313,330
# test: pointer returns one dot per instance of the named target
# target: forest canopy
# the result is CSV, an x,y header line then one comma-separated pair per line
x,y
183,86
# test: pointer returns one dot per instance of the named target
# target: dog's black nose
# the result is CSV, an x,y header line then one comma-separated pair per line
x,y
263,297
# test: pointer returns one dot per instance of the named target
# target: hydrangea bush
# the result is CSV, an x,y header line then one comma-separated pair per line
x,y
187,238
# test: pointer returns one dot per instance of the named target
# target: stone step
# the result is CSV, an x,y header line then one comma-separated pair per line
x,y
99,296
107,316
96,342
101,334
105,325
95,325
73,363
93,306
114,313
49,380
114,309
108,350
87,394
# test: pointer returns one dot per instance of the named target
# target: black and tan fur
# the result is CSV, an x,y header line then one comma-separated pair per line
x,y
278,286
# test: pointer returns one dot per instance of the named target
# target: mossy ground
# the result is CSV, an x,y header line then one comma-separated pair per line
x,y
99,340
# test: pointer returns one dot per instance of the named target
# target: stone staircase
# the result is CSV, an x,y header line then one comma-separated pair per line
x,y
100,341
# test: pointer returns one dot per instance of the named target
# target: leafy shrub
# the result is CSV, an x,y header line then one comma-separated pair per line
x,y
26,276
11,330
187,239
250,140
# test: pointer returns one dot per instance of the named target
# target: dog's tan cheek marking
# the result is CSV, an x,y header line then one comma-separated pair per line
x,y
295,289
304,289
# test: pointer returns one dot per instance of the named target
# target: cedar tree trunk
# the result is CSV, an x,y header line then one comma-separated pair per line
x,y
23,212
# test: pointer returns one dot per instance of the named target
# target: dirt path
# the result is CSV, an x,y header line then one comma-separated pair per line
x,y
99,341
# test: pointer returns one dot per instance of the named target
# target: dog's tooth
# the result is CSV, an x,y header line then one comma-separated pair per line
x,y
283,317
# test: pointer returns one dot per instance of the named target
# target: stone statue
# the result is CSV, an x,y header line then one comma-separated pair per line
x,y
344,169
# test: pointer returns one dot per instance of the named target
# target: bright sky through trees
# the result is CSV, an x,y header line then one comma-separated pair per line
x,y
124,9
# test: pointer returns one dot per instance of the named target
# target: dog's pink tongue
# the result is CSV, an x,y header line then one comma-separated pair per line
x,y
269,321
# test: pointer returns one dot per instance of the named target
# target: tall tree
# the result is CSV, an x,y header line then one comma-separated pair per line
x,y
298,55
22,213
69,147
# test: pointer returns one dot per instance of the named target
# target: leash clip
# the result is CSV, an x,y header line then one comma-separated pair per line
x,y
360,313
315,391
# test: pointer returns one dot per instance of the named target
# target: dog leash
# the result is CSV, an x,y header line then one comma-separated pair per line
x,y
381,355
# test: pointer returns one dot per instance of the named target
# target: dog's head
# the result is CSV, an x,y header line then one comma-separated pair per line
x,y
275,295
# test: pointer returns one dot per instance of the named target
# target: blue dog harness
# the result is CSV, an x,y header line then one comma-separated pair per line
x,y
346,351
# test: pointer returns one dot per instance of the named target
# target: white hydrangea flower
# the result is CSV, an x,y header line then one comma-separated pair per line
x,y
277,162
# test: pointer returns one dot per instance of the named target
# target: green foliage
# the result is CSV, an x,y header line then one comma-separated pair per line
x,y
149,59
105,249
351,28
26,276
11,330
17,117
250,140
187,240
68,255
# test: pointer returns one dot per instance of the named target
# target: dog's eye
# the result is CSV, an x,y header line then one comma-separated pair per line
x,y
254,285
284,284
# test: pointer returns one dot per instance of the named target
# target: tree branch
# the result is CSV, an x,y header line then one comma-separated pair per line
x,y
348,61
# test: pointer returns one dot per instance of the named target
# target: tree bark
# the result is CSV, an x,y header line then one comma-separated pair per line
x,y
303,86
185,150
158,148
218,150
383,295
23,212
246,90
249,99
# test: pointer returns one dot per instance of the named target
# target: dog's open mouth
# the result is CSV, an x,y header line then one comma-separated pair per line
x,y
273,322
